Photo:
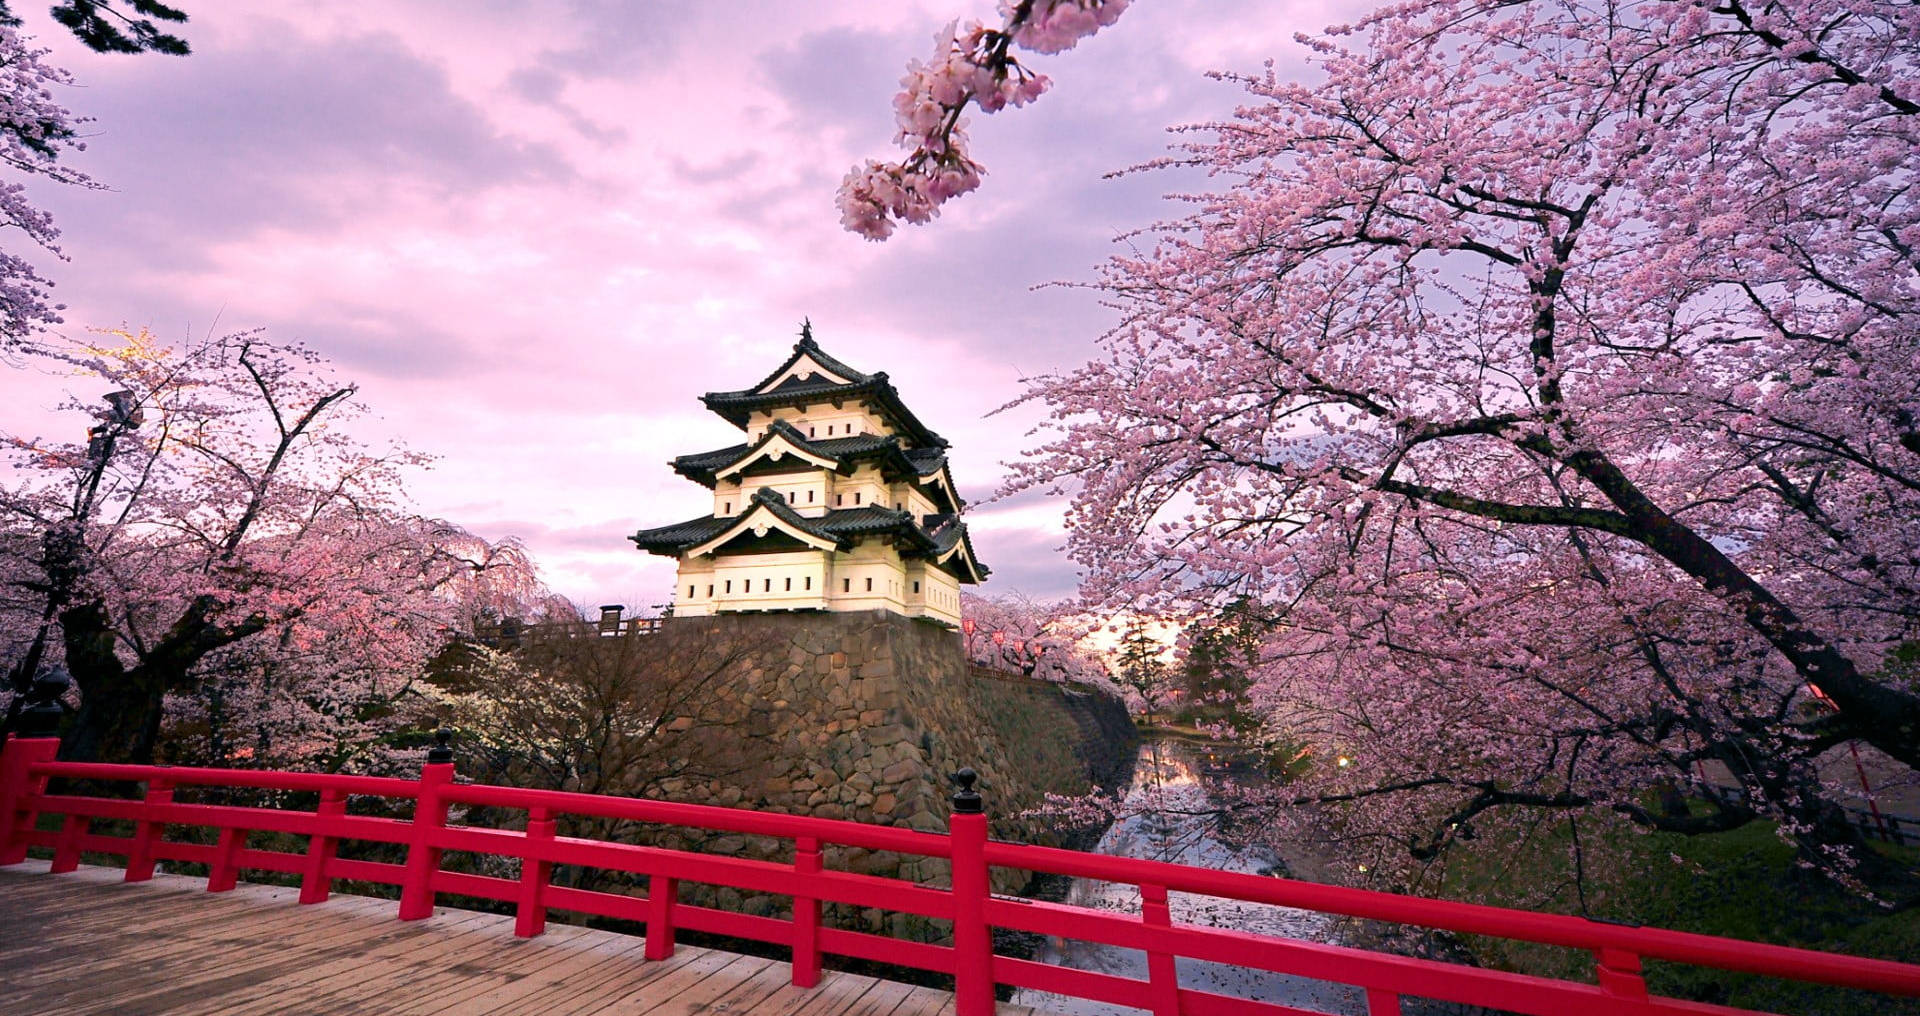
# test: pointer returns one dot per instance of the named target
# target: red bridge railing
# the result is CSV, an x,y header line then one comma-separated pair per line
x,y
27,765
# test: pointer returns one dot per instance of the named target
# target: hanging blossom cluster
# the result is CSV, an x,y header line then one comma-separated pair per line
x,y
973,65
34,130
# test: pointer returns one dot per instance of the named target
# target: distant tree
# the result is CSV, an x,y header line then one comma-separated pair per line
x,y
1015,634
1219,653
220,542
1142,668
576,710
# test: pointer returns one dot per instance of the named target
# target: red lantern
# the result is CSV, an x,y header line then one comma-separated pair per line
x,y
967,627
999,638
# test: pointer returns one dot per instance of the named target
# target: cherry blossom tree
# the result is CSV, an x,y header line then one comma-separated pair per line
x,y
1546,375
36,130
972,65
1015,634
220,543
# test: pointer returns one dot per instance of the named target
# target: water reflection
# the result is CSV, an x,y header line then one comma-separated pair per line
x,y
1168,820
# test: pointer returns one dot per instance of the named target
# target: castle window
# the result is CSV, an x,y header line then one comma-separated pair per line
x,y
839,499
856,497
869,585
689,592
729,586
846,585
810,432
789,585
709,589
809,582
766,585
916,588
809,497
729,508
789,497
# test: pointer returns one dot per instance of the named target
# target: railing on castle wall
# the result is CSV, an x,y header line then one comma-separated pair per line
x,y
512,632
967,905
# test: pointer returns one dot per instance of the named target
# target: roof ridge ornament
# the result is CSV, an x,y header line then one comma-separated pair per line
x,y
806,335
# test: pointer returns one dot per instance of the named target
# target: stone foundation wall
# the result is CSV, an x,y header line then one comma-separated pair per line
x,y
861,715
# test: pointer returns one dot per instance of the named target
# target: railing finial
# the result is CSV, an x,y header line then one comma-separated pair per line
x,y
442,751
965,800
41,717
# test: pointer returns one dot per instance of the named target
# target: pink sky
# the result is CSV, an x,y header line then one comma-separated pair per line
x,y
536,232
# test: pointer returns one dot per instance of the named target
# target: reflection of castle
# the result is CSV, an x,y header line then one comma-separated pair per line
x,y
840,499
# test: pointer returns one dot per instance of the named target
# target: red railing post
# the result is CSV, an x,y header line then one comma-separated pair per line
x,y
806,915
530,915
662,894
972,884
429,817
147,830
1618,973
66,850
1163,976
225,872
18,788
315,884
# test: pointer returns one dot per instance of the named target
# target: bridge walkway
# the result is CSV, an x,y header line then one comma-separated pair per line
x,y
87,942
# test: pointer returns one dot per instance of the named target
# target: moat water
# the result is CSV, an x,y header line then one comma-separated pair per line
x,y
1164,819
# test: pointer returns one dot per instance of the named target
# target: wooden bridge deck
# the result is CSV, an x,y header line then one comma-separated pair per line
x,y
86,942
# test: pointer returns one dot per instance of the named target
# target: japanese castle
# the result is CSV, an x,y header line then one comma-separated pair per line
x,y
839,499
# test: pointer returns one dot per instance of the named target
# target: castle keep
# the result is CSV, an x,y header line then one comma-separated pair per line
x,y
840,499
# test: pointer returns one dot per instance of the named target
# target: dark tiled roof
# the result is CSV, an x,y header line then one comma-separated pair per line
x,y
927,461
947,530
876,390
702,466
670,540
809,348
841,526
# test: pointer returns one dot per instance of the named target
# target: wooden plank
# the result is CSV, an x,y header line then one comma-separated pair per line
x,y
626,966
215,966
397,964
880,999
924,1001
554,958
835,992
87,943
685,984
352,966
220,934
